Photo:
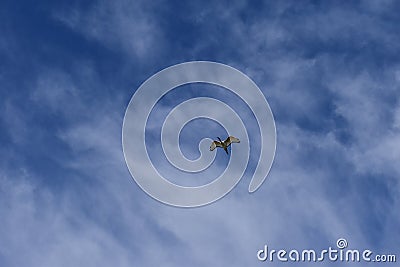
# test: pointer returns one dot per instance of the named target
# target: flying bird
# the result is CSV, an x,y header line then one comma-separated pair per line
x,y
224,144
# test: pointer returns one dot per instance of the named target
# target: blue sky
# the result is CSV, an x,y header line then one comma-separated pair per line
x,y
330,71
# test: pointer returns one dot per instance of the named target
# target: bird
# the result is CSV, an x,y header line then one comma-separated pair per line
x,y
224,144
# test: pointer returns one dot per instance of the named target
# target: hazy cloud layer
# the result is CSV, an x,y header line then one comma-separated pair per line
x,y
330,73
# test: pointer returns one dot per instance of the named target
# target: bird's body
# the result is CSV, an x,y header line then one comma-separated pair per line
x,y
224,144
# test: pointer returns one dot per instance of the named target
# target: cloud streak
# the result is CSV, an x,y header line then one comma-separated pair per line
x,y
330,74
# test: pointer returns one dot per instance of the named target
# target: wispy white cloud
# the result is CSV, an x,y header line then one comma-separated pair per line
x,y
120,25
40,229
320,186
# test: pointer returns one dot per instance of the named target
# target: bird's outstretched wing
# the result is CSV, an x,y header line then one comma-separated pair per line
x,y
231,139
215,144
